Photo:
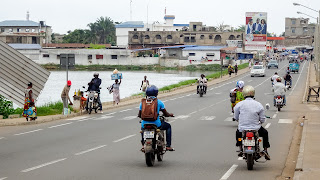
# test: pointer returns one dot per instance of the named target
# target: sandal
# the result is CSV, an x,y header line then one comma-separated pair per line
x,y
142,149
169,149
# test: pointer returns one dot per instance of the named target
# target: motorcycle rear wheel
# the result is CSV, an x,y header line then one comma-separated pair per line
x,y
279,108
160,153
150,157
90,107
250,161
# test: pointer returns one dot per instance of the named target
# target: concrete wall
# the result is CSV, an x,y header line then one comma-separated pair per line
x,y
202,54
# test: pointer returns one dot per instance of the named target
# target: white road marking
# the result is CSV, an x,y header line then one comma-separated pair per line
x,y
83,120
43,165
217,93
228,119
89,150
267,126
211,89
78,118
105,117
112,113
189,95
3,178
229,172
313,108
288,121
181,97
28,132
297,80
59,125
207,118
129,118
277,112
274,116
268,93
1,138
181,117
127,137
162,101
192,113
250,81
125,110
240,158
172,99
231,114
172,121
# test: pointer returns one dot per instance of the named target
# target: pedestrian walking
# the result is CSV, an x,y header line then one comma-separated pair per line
x,y
28,98
250,64
144,84
236,69
65,95
230,70
116,91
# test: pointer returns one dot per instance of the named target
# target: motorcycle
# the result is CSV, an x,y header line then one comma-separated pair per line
x,y
92,101
288,86
154,142
251,147
201,89
279,102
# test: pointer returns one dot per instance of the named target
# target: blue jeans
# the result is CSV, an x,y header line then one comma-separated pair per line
x,y
284,99
164,126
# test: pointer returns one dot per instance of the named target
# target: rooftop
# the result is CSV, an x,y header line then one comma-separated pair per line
x,y
130,24
19,23
25,46
204,48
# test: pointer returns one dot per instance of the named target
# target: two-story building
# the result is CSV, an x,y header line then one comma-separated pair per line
x,y
299,32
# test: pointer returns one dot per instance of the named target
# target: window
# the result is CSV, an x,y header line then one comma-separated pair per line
x,y
45,55
210,37
27,30
192,54
158,36
293,21
169,37
231,37
193,39
18,29
2,29
135,36
135,29
147,37
186,39
202,37
58,56
33,30
90,56
10,30
238,36
210,54
114,56
293,30
98,56
217,39
148,29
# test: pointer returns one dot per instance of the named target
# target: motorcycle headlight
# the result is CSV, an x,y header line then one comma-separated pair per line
x,y
96,95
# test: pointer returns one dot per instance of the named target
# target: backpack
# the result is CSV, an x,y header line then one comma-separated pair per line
x,y
233,96
149,110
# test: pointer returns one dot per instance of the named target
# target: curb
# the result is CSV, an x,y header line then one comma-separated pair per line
x,y
299,165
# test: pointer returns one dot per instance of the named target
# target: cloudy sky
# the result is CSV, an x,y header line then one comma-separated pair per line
x,y
64,15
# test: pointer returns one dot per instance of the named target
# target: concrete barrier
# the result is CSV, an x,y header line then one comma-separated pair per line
x,y
12,116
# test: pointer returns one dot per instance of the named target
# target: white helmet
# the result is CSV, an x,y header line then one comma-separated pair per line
x,y
96,74
240,84
248,91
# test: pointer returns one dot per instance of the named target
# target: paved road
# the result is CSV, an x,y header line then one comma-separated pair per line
x,y
106,146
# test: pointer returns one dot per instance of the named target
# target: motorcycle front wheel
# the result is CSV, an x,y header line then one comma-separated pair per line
x,y
250,161
150,157
90,107
279,108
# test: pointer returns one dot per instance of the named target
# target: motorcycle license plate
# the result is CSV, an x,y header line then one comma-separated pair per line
x,y
249,143
279,100
148,134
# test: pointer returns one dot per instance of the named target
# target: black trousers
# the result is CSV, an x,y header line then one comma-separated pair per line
x,y
262,133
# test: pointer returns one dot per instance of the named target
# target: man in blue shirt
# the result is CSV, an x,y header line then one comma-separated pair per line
x,y
94,85
152,93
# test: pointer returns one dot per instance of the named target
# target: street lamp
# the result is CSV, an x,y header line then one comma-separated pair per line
x,y
308,15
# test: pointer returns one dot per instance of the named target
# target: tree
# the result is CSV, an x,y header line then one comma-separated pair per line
x,y
221,27
6,107
78,36
103,30
240,28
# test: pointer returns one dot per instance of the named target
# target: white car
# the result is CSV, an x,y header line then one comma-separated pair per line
x,y
258,70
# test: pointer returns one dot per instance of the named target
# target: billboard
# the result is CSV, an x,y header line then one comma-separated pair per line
x,y
256,31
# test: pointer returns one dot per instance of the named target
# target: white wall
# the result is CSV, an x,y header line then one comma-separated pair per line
x,y
122,35
200,54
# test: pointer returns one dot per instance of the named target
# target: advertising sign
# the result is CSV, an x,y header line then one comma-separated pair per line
x,y
256,31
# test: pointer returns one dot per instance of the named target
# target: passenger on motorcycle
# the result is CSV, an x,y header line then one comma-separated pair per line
x,y
152,92
236,94
279,89
287,78
203,80
274,78
94,85
250,114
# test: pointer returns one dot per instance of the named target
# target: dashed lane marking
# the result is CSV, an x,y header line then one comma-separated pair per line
x,y
127,137
285,121
181,117
274,116
229,172
217,93
28,132
125,110
43,165
192,113
1,138
78,118
89,150
228,119
313,108
240,158
60,125
3,178
104,117
207,118
267,126
297,79
250,81
111,113
129,118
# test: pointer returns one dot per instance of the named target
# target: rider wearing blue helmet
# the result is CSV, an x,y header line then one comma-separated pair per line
x,y
152,93
236,94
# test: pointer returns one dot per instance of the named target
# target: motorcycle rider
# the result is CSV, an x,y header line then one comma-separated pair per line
x,y
94,85
203,80
236,94
152,92
287,78
250,114
279,89
274,78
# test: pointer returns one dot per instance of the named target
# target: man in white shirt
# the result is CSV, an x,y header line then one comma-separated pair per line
x,y
204,81
250,114
274,78
279,89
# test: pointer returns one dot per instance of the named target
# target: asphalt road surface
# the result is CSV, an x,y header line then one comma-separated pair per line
x,y
106,146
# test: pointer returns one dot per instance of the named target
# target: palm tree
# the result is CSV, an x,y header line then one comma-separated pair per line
x,y
103,30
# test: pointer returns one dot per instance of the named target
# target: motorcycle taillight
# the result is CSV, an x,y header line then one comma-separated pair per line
x,y
279,97
148,127
250,135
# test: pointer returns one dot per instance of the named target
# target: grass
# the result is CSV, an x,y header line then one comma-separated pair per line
x,y
47,109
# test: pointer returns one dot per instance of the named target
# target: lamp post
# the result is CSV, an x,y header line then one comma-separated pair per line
x,y
316,39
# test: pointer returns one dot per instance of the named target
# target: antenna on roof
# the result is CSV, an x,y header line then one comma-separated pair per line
x,y
28,15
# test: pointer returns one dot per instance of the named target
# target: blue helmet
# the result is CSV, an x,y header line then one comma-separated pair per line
x,y
152,91
240,84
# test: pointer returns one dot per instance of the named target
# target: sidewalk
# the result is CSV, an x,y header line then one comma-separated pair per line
x,y
124,102
308,166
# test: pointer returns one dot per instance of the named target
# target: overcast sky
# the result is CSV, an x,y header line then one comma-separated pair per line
x,y
64,15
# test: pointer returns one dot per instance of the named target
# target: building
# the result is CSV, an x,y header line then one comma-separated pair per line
x,y
25,32
299,32
123,29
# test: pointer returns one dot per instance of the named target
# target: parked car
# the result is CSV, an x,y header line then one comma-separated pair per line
x,y
258,70
273,63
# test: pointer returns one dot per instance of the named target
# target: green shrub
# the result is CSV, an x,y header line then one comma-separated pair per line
x,y
6,107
